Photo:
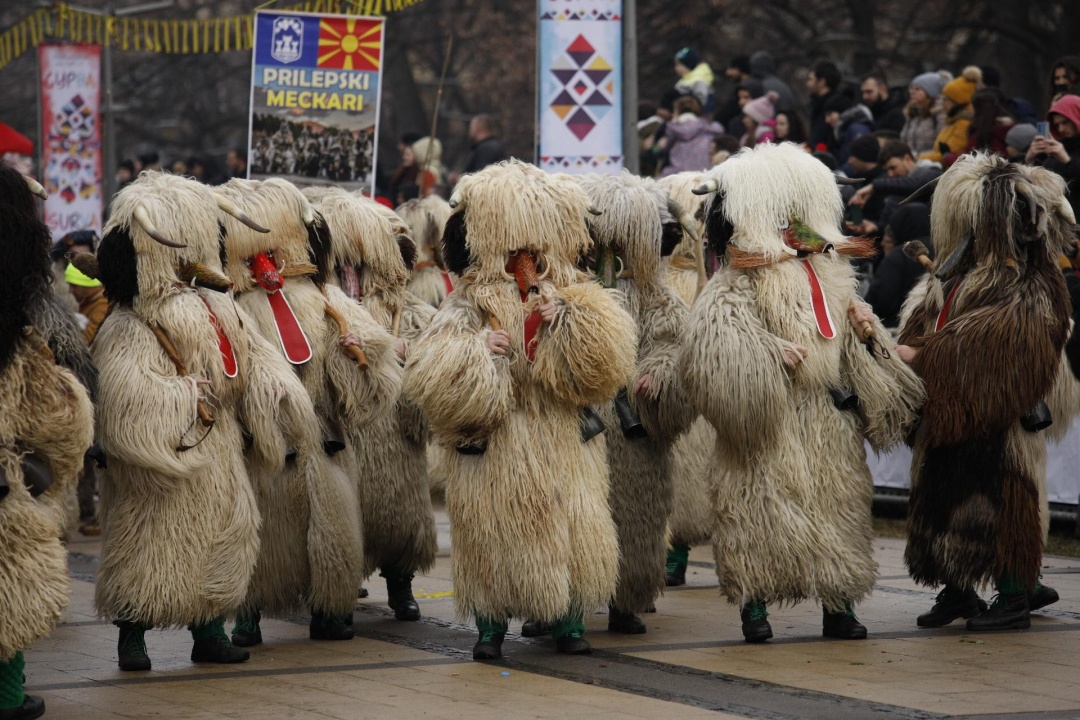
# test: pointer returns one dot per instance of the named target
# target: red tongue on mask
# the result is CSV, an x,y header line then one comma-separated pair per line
x,y
294,341
266,273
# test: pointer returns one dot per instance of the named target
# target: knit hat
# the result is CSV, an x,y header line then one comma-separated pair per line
x,y
75,276
689,57
763,108
963,88
865,147
1020,136
931,83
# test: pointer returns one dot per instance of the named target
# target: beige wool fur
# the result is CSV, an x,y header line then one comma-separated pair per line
x,y
634,211
790,486
531,526
399,523
426,218
315,531
44,410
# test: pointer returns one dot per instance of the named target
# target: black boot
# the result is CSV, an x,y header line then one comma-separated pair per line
x,y
246,632
755,622
212,645
535,628
842,625
624,622
363,593
329,627
1007,612
677,558
400,597
1040,596
952,603
131,647
489,646
32,707
572,643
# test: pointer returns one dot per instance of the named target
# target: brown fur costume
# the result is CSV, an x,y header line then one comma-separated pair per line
x,y
974,512
44,411
636,225
530,521
427,218
313,519
790,485
399,524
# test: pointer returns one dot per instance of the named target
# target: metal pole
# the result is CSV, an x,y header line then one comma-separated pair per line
x,y
110,124
631,158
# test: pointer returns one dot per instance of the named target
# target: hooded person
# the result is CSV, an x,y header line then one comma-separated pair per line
x,y
763,69
426,217
373,254
312,531
994,294
807,379
38,464
183,379
518,350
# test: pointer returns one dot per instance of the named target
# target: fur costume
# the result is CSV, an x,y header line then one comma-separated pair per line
x,y
373,243
312,517
530,521
45,414
989,338
180,520
635,230
790,486
426,217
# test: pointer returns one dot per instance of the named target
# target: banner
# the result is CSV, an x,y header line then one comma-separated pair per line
x,y
71,136
315,89
580,84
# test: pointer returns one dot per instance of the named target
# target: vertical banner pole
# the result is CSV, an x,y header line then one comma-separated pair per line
x,y
631,156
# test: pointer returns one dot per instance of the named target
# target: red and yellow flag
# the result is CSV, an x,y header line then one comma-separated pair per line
x,y
350,44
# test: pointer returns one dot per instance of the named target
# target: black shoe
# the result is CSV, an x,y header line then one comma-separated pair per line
x,y
573,644
677,556
400,597
246,632
329,627
624,622
32,707
489,646
1041,596
842,625
1007,612
347,620
363,593
951,604
534,628
217,649
755,622
131,647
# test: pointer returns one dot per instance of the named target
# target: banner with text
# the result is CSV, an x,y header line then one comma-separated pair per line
x,y
71,136
315,89
580,86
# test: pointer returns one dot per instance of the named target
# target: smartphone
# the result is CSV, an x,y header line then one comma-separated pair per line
x,y
1042,128
854,214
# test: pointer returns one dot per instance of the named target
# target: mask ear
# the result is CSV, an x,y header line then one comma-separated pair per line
x,y
455,244
118,268
408,250
319,247
670,237
718,229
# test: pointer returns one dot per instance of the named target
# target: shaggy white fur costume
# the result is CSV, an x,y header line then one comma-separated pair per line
x,y
427,218
791,489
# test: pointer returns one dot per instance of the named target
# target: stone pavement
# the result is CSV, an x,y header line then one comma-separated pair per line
x,y
691,663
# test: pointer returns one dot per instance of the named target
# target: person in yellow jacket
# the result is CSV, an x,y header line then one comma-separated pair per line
x,y
956,101
695,78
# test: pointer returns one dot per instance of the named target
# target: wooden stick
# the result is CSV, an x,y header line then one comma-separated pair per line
x,y
166,344
343,330
395,324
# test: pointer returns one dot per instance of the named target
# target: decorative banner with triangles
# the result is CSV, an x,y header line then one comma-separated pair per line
x,y
580,80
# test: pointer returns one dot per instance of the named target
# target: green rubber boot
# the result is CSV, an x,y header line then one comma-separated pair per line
x,y
246,632
212,645
14,703
678,557
568,632
492,633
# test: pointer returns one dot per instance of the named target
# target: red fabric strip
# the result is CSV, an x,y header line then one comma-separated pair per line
x,y
817,300
532,325
448,283
228,357
943,316
293,340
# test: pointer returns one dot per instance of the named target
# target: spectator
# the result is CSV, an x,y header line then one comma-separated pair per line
x,y
1018,140
848,121
654,146
196,168
125,174
901,177
763,69
236,163
486,149
179,167
737,72
990,122
925,117
886,108
723,147
695,78
1061,152
1021,110
790,127
431,175
1064,78
897,274
758,120
148,161
822,82
406,172
956,101
688,138
862,160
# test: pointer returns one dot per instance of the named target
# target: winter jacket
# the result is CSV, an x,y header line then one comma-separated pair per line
x,y
763,68
888,114
997,144
486,152
699,83
819,132
854,122
1069,107
897,273
919,133
689,143
954,135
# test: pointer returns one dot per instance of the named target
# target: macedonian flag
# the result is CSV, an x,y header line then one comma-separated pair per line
x,y
350,43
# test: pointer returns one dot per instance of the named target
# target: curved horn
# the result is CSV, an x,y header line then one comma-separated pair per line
x,y
923,193
143,219
709,186
455,199
593,210
840,180
35,187
1022,188
689,226
1065,210
228,206
309,214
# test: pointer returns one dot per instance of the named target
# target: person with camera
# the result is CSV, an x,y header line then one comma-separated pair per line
x,y
1056,146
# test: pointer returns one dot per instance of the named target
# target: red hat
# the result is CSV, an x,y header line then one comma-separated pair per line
x,y
13,141
383,200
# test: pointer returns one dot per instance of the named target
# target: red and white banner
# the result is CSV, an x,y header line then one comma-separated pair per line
x,y
71,136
